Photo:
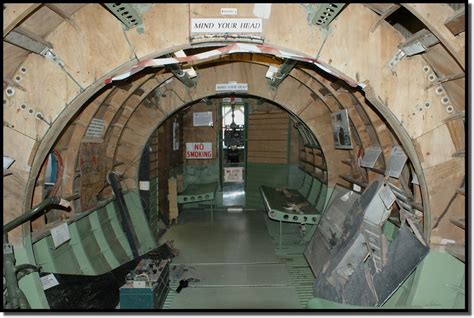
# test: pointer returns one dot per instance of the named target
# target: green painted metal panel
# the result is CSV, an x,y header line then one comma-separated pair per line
x,y
117,230
322,198
99,229
314,192
145,236
87,249
295,177
30,284
258,174
438,282
98,243
308,181
58,260
113,241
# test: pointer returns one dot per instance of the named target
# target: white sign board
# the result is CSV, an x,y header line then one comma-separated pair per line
x,y
202,119
49,281
226,25
228,11
199,150
144,185
232,86
60,234
234,174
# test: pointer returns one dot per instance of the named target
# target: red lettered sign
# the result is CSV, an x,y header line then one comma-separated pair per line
x,y
199,150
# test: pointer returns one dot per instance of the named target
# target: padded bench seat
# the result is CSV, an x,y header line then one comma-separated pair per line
x,y
279,206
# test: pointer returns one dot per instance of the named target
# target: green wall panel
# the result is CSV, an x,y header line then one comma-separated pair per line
x,y
258,174
98,243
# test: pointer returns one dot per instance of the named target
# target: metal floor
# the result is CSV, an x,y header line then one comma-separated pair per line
x,y
236,264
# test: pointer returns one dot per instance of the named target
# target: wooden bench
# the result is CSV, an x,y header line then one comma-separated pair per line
x,y
199,192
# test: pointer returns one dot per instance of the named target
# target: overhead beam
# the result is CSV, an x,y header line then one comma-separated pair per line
x,y
394,7
62,14
457,23
27,40
276,76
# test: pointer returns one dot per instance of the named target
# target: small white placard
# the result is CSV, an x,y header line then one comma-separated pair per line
x,y
234,174
397,162
60,234
228,11
139,284
144,185
232,87
356,188
199,150
202,119
371,155
226,25
49,281
387,196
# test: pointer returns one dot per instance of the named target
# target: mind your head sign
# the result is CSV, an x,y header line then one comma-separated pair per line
x,y
226,25
199,150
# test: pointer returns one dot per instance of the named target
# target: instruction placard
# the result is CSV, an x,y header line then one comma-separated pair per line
x,y
49,281
60,234
232,86
387,196
202,119
234,174
199,150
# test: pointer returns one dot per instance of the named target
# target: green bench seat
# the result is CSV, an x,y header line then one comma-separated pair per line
x,y
198,192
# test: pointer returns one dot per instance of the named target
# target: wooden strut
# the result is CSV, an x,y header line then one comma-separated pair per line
x,y
385,14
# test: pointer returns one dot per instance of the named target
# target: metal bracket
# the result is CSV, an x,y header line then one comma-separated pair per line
x,y
276,78
396,58
323,14
50,55
126,13
181,75
419,42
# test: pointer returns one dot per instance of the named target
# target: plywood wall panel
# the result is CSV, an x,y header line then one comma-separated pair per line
x,y
436,147
49,99
102,42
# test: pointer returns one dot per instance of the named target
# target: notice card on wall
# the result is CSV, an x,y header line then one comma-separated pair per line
x,y
226,25
60,234
202,119
234,174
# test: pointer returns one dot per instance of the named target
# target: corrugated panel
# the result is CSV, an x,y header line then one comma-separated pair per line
x,y
98,243
301,277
